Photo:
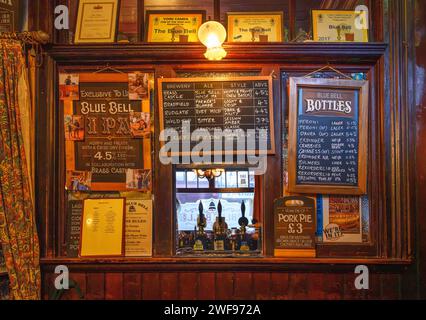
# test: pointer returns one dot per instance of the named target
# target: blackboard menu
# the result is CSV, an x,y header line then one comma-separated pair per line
x,y
109,148
326,138
220,104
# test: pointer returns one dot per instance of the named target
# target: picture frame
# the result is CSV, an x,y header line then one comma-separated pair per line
x,y
298,181
91,28
95,241
255,26
327,26
160,26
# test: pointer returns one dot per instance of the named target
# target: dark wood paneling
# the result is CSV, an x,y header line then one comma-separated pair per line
x,y
151,286
132,286
113,286
95,286
262,286
188,286
224,286
243,286
280,286
169,286
206,286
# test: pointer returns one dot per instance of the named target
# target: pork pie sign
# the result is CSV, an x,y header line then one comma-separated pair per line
x,y
328,136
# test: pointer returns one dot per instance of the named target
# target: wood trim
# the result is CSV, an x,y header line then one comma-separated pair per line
x,y
260,53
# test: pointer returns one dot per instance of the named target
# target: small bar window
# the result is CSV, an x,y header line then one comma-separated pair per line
x,y
219,217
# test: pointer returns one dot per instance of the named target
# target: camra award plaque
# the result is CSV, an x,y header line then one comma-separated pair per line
x,y
173,26
97,21
339,26
255,26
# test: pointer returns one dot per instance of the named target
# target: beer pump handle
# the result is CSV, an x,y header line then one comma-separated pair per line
x,y
201,209
219,210
243,209
243,221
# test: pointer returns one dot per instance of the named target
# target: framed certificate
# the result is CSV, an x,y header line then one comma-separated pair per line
x,y
97,21
102,228
339,26
255,26
173,26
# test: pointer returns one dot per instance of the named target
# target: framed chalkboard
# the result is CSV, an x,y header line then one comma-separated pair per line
x,y
328,138
220,103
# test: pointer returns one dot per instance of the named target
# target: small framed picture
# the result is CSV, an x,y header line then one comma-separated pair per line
x,y
339,26
255,26
69,86
78,181
139,179
138,86
140,124
97,21
173,26
74,128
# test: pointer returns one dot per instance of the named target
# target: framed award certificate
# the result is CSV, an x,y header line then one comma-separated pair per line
x,y
173,26
102,228
339,26
255,26
97,21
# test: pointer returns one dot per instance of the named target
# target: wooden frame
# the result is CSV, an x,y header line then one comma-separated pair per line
x,y
260,78
113,28
230,31
362,87
149,13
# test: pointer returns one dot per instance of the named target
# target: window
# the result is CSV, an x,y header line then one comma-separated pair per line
x,y
228,198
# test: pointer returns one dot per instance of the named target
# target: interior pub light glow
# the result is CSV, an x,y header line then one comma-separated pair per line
x,y
212,34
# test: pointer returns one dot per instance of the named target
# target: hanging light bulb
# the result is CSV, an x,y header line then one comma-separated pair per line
x,y
213,34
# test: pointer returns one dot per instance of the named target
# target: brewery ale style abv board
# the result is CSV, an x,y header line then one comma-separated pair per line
x,y
328,142
295,227
219,103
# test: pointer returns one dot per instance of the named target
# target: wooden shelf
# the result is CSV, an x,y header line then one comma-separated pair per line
x,y
223,264
311,52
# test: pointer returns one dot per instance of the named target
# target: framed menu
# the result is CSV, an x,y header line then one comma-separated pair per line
x,y
97,21
238,104
102,228
328,138
255,26
173,26
340,26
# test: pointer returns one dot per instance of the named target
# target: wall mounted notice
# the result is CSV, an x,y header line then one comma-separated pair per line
x,y
138,228
102,228
295,227
328,136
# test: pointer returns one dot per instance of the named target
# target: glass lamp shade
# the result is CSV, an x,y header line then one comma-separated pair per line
x,y
213,34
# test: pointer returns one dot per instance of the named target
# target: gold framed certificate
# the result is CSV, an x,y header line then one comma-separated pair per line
x,y
339,26
97,21
173,26
255,26
102,228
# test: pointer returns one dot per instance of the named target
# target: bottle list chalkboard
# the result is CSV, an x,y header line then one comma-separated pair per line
x,y
220,104
328,136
